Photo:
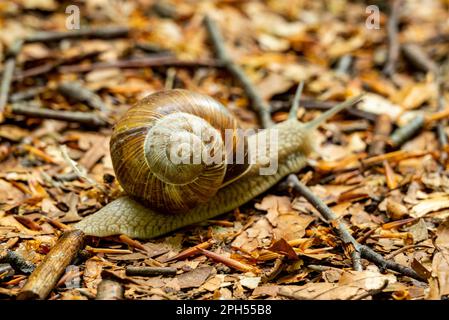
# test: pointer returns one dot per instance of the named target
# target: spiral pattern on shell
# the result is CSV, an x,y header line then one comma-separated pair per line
x,y
168,150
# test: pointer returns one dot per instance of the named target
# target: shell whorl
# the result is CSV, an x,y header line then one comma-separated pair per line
x,y
168,150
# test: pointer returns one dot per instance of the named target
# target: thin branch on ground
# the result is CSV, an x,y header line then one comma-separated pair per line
x,y
413,53
8,72
45,277
356,260
259,104
409,130
393,38
158,60
16,261
442,137
100,33
150,271
45,68
26,94
344,233
77,92
85,118
412,246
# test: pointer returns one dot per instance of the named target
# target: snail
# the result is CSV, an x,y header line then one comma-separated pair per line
x,y
163,194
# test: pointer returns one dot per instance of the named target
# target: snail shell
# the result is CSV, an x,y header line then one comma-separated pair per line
x,y
169,150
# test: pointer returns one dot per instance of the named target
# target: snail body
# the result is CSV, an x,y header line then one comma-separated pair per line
x,y
162,197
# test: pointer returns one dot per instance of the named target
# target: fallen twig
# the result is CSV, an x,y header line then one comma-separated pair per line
x,y
26,94
259,104
52,65
109,290
382,130
108,32
8,72
191,251
418,57
344,64
150,271
27,222
356,263
108,250
46,275
232,263
393,39
422,61
402,134
345,235
36,71
75,91
165,10
151,48
159,60
391,255
57,224
131,242
86,118
442,137
17,261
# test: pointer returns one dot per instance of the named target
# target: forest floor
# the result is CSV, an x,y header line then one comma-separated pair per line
x,y
389,188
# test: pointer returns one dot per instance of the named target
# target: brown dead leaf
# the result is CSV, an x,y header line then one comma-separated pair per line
x,y
273,84
213,283
10,221
283,247
194,278
92,273
419,231
71,200
13,133
415,95
266,290
287,223
429,205
100,147
258,235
